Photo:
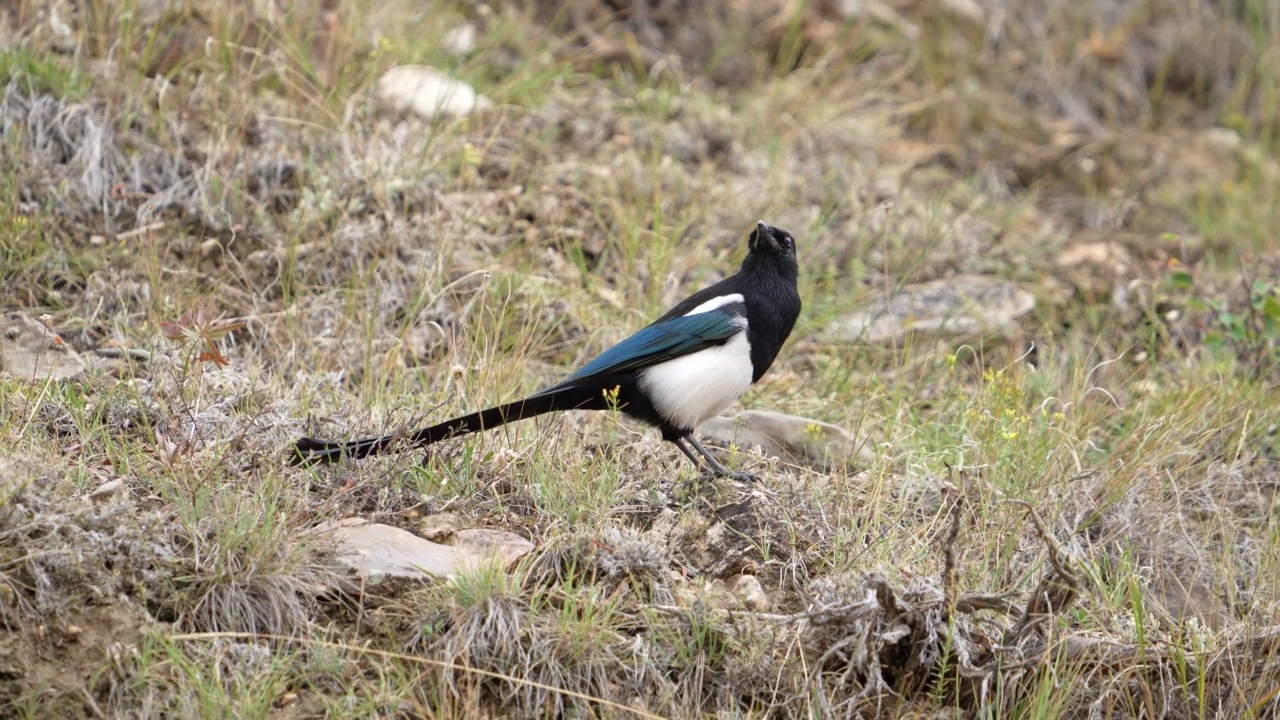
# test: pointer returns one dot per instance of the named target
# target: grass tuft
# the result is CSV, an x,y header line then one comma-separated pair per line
x,y
1073,515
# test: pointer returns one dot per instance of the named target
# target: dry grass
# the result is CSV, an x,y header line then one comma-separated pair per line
x,y
1077,518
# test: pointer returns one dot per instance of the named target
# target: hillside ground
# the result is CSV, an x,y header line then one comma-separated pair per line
x,y
1074,516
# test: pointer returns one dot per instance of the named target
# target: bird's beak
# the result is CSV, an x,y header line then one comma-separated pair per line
x,y
763,237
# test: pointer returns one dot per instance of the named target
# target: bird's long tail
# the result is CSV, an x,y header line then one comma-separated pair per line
x,y
307,451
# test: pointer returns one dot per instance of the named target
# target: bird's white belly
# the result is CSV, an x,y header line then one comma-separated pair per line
x,y
692,389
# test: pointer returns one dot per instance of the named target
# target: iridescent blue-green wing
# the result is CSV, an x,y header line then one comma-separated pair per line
x,y
658,343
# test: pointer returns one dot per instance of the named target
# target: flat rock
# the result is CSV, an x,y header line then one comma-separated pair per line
x,y
374,552
504,546
29,349
963,305
428,92
450,529
108,491
791,438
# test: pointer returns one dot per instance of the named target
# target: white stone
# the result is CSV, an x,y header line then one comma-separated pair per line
x,y
428,92
1224,139
460,40
850,9
375,552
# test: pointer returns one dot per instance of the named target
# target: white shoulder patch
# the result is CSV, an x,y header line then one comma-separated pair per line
x,y
716,303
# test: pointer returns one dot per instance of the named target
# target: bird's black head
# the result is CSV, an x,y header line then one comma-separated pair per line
x,y
772,247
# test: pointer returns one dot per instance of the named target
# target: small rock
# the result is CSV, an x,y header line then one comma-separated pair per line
x,y
460,40
792,438
210,249
965,10
30,350
108,491
483,543
1224,139
715,593
961,305
1096,267
451,529
850,9
375,552
428,92
441,527
751,594
1102,255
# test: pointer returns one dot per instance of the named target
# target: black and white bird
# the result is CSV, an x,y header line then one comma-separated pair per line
x,y
675,374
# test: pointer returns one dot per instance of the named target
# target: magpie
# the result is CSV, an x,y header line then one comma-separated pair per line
x,y
674,374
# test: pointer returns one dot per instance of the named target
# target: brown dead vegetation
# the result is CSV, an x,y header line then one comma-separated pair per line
x,y
372,270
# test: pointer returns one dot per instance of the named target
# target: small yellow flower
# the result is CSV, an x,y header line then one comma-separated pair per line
x,y
470,154
611,395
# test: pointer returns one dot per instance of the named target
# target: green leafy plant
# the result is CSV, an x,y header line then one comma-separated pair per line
x,y
1247,324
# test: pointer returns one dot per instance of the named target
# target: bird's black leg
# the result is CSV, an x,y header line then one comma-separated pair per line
x,y
716,465
679,442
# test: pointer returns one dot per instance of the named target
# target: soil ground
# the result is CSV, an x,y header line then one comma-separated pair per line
x,y
1071,516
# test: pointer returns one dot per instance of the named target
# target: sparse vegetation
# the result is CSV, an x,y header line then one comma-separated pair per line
x,y
1074,518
